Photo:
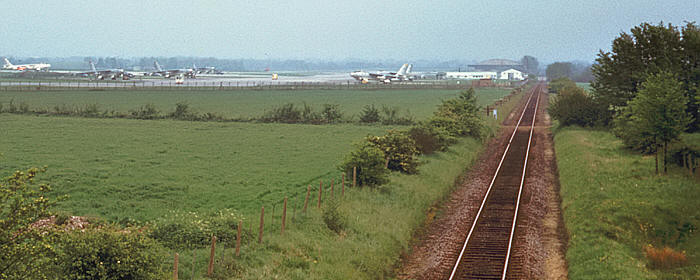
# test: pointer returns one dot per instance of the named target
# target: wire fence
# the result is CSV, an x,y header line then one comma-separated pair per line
x,y
194,85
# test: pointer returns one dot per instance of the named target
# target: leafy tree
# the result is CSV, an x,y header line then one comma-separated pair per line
x,y
24,249
572,106
369,161
530,64
559,70
659,111
648,49
399,151
557,85
460,116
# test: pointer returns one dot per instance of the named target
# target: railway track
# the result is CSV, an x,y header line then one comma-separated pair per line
x,y
487,248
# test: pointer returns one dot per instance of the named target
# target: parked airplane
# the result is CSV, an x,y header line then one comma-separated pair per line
x,y
206,70
109,74
384,76
189,73
25,67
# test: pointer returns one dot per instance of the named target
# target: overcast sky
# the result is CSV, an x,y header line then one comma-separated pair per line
x,y
335,30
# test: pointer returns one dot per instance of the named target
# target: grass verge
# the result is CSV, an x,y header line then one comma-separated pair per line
x,y
615,209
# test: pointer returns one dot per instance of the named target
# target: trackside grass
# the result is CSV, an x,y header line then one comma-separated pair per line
x,y
615,207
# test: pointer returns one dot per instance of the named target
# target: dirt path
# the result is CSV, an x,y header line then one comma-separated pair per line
x,y
539,235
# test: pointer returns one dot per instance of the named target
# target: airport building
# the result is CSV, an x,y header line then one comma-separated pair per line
x,y
510,75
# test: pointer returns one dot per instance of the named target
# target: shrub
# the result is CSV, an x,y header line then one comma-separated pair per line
x,y
286,113
332,217
665,258
182,112
399,151
109,253
369,114
89,110
429,138
636,139
460,116
556,85
391,117
331,113
23,107
309,116
146,112
188,230
572,106
369,161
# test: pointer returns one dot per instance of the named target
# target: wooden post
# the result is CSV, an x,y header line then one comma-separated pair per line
x,y
354,176
175,264
238,238
343,191
211,256
306,201
332,190
320,193
194,256
284,215
262,224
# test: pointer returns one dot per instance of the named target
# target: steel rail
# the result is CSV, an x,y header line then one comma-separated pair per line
x,y
536,90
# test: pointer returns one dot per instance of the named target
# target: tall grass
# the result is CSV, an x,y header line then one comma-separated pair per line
x,y
615,210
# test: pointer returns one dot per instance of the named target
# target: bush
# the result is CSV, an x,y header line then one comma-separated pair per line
x,y
460,116
188,230
332,216
636,139
182,112
429,139
146,112
331,113
399,151
369,161
369,114
391,117
572,106
109,253
286,113
556,85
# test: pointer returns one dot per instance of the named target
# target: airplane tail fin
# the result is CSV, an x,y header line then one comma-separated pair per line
x,y
7,61
402,70
92,66
408,69
157,66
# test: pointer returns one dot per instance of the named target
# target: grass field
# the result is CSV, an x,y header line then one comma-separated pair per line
x,y
614,206
249,103
128,168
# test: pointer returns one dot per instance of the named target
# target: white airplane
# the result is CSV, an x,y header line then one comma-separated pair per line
x,y
25,67
109,74
190,73
384,76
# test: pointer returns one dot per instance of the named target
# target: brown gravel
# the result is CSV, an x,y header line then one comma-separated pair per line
x,y
540,235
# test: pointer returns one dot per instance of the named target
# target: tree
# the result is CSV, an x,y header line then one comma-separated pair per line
x,y
559,70
648,49
25,250
530,64
659,111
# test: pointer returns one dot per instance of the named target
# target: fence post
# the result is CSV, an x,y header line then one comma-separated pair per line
x,y
306,201
343,191
284,215
262,224
354,176
193,258
211,256
175,264
238,238
320,192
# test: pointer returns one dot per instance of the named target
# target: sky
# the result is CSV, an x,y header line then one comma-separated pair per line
x,y
328,30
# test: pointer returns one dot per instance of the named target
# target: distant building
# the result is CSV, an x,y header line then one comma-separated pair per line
x,y
497,65
511,75
470,75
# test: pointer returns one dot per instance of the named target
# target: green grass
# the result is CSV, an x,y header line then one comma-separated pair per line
x,y
380,224
248,103
614,205
116,168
